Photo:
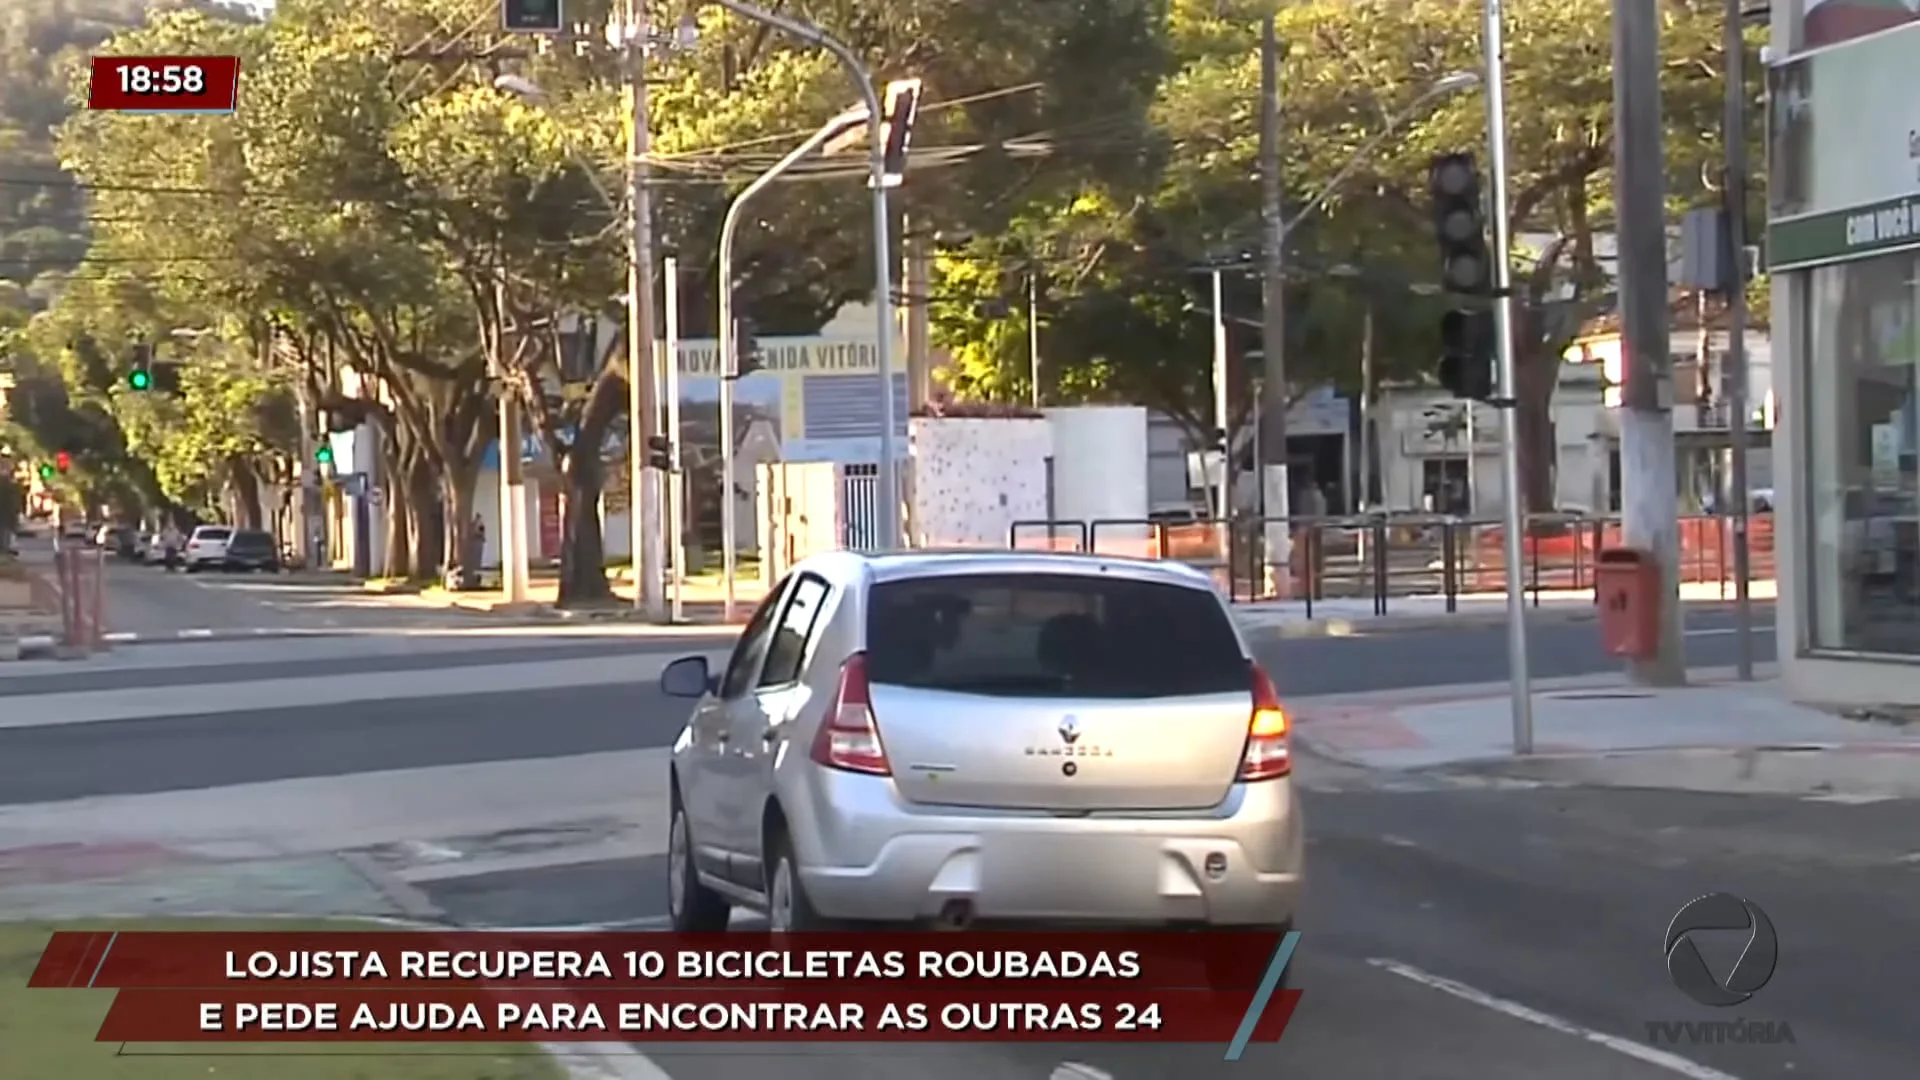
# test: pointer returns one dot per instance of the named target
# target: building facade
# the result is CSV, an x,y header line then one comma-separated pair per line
x,y
1843,246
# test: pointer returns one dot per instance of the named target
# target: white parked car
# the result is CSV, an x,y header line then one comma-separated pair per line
x,y
207,547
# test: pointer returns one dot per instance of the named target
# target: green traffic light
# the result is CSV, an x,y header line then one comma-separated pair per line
x,y
46,471
323,455
139,380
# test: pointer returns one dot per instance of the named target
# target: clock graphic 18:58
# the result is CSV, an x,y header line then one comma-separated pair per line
x,y
165,83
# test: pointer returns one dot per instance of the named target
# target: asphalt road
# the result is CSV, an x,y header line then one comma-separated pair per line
x,y
1517,902
1528,899
182,752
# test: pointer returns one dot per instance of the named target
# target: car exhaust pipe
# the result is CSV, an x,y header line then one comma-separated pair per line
x,y
954,915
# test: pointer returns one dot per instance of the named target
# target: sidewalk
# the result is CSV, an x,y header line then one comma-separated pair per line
x,y
703,597
29,607
702,601
1716,735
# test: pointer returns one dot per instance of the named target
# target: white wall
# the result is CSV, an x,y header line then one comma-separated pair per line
x,y
973,478
1099,463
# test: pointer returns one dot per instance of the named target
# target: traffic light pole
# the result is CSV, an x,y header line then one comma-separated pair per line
x,y
676,480
1514,512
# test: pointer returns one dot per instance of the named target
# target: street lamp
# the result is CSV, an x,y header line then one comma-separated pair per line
x,y
889,523
729,367
1445,86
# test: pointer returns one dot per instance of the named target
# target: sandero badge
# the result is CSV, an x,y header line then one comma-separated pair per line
x,y
1070,745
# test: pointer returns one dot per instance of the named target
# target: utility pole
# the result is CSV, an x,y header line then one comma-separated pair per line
x,y
1033,331
1275,492
644,503
513,481
1222,402
917,290
1368,451
1735,184
1650,519
676,479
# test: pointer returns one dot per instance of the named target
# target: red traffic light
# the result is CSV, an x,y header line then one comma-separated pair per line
x,y
63,461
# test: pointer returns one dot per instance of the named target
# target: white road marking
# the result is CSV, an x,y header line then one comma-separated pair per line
x,y
1074,1070
1673,1063
1727,631
1845,798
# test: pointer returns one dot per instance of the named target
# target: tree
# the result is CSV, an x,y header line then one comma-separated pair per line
x,y
1350,68
1125,260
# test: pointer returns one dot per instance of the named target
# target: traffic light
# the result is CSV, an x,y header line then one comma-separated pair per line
x,y
659,453
749,357
46,470
141,377
1453,184
63,461
1467,334
531,16
902,105
323,454
1467,354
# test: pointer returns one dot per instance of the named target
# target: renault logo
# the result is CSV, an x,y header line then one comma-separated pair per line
x,y
1070,730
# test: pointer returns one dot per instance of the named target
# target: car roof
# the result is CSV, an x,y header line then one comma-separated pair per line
x,y
848,567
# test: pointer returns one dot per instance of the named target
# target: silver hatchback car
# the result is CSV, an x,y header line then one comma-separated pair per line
x,y
1004,737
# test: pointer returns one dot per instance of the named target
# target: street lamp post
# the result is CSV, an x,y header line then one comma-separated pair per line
x,y
889,524
729,363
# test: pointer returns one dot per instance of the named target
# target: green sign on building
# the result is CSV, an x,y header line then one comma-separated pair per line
x,y
1837,235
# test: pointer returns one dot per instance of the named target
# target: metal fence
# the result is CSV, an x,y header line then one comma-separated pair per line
x,y
1380,557
860,507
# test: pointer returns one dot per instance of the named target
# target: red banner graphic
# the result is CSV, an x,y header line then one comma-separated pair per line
x,y
806,1013
551,960
165,83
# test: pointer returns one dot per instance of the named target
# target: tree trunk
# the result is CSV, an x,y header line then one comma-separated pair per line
x,y
399,539
583,570
1538,378
459,526
427,518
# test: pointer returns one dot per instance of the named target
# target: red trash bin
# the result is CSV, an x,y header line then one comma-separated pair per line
x,y
1627,584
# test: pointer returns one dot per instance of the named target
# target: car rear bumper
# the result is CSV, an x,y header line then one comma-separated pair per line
x,y
865,854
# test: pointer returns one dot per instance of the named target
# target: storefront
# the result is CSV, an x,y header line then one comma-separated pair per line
x,y
1844,247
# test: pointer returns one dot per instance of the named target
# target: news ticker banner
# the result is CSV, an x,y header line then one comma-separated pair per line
x,y
165,84
537,986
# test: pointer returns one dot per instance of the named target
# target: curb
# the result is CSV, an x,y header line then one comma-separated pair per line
x,y
1711,770
48,646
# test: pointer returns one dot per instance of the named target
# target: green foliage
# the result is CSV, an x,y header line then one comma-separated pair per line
x,y
43,216
1124,315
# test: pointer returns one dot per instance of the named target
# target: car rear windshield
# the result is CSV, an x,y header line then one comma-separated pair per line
x,y
1052,635
211,534
251,540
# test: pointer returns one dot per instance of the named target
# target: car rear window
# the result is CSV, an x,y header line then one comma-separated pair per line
x,y
211,534
251,540
1051,635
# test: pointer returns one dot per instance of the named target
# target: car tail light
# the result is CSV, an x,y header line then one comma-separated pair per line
x,y
1267,755
849,738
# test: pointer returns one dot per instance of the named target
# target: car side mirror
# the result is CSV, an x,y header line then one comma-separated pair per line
x,y
687,677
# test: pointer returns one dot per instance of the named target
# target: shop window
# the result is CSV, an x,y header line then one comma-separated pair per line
x,y
1862,523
